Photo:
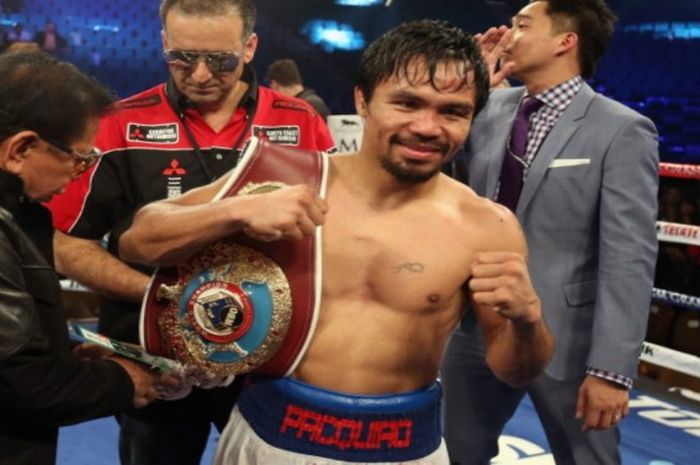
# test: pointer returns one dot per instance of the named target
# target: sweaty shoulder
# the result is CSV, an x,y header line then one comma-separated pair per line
x,y
492,226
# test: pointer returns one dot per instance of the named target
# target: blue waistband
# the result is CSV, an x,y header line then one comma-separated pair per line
x,y
298,417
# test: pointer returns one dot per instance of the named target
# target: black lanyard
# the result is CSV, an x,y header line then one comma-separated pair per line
x,y
198,151
174,99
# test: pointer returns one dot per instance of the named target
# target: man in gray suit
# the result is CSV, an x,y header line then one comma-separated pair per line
x,y
580,172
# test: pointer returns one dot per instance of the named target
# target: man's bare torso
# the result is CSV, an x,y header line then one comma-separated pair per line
x,y
392,286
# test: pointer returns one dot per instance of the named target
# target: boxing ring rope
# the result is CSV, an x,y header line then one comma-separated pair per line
x,y
677,170
676,298
670,358
678,233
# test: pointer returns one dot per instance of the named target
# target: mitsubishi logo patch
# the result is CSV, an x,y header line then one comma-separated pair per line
x,y
174,172
174,169
154,134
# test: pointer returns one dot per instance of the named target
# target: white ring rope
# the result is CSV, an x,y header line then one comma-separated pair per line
x,y
669,358
678,232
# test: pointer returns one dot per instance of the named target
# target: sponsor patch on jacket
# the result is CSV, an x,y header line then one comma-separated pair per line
x,y
153,133
283,135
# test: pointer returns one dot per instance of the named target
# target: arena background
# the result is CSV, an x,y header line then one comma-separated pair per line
x,y
652,66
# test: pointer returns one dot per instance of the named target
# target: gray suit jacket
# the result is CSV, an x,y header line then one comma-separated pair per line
x,y
588,208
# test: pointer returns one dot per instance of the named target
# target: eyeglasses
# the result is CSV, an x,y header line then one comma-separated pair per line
x,y
217,62
81,161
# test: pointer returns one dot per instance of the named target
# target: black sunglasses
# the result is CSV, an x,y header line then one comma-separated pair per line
x,y
217,62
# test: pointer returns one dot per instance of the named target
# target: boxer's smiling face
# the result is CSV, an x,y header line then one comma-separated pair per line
x,y
206,55
414,123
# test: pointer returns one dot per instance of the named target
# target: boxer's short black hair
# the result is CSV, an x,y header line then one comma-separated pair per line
x,y
435,43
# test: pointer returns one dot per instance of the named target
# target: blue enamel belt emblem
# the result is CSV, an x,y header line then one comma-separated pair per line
x,y
229,311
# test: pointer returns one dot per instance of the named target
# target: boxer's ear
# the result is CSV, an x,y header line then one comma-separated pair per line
x,y
360,103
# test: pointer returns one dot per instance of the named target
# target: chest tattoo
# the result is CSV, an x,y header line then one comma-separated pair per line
x,y
413,267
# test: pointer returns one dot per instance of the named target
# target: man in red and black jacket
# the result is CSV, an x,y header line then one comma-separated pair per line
x,y
160,143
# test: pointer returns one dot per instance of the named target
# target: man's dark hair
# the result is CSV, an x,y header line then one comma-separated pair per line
x,y
48,96
284,71
591,20
244,8
435,42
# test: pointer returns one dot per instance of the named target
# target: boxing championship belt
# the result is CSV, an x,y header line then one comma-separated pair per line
x,y
242,304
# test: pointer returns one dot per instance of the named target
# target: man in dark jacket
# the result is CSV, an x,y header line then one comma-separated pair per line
x,y
284,77
48,118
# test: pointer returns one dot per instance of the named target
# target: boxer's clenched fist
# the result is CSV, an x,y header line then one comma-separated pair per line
x,y
501,280
290,212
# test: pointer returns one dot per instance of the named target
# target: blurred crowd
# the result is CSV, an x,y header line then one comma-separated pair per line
x,y
48,39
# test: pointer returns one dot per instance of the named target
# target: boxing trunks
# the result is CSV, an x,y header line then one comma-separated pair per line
x,y
242,303
285,421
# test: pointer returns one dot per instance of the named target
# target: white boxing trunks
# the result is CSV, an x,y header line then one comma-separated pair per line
x,y
283,421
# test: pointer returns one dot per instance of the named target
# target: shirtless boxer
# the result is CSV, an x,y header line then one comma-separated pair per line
x,y
403,248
